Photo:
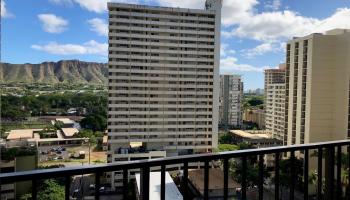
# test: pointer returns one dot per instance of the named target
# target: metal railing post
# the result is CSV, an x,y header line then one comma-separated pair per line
x,y
319,173
67,187
306,174
277,175
162,182
244,178
329,173
226,178
144,179
261,177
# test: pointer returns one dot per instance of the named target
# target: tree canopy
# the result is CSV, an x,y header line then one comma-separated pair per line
x,y
95,122
20,107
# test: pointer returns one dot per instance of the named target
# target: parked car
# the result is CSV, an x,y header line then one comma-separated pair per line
x,y
102,190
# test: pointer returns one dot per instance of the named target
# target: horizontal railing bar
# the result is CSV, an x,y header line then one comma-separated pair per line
x,y
70,171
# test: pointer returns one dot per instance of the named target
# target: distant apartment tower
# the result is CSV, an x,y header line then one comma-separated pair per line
x,y
230,107
275,101
163,80
317,87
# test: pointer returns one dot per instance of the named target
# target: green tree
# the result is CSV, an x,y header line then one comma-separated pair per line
x,y
255,101
85,133
225,138
50,189
252,171
94,122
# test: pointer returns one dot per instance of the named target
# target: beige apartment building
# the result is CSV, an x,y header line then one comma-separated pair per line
x,y
163,80
230,101
256,116
317,87
275,101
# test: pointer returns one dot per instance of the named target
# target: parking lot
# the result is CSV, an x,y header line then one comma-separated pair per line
x,y
53,153
63,154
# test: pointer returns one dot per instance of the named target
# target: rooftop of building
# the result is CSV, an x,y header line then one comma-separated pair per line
x,y
65,120
252,134
160,8
332,32
69,132
281,68
21,134
215,176
32,135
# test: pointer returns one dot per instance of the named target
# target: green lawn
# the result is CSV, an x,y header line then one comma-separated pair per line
x,y
227,147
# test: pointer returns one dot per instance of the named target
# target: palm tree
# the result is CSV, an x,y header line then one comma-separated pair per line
x,y
313,179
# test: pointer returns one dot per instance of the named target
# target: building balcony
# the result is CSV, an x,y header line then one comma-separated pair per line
x,y
328,162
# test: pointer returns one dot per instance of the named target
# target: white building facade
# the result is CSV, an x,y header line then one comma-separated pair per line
x,y
163,80
231,96
275,101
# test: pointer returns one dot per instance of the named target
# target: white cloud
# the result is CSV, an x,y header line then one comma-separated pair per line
x,y
5,13
99,26
62,2
98,6
53,23
262,49
90,47
242,20
234,11
273,5
225,51
230,65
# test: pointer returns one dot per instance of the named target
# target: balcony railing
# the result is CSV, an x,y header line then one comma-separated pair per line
x,y
331,152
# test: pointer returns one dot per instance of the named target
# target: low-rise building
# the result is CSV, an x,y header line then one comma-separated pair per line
x,y
258,139
172,192
36,137
216,184
66,122
69,132
256,116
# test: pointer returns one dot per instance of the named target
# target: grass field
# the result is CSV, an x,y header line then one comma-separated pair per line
x,y
31,122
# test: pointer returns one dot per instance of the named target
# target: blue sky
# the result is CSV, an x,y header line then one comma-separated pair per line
x,y
254,32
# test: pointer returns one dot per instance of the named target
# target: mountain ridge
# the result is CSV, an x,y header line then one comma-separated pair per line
x,y
63,71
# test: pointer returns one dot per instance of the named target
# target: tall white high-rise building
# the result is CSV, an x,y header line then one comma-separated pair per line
x,y
230,101
163,80
318,88
275,101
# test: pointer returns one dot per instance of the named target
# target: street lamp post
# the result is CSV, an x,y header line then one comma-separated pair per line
x,y
89,148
